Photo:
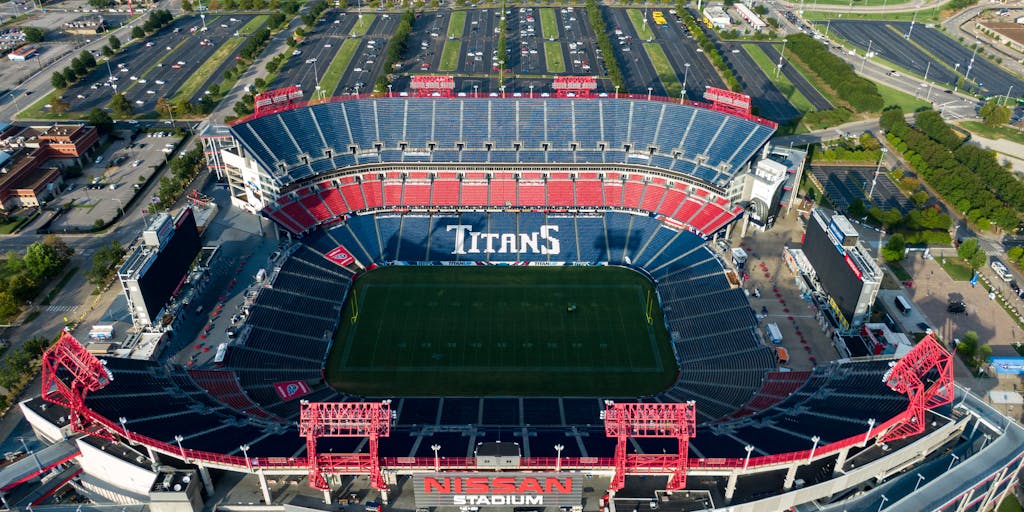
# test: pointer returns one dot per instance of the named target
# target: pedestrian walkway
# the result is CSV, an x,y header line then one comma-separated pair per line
x,y
59,308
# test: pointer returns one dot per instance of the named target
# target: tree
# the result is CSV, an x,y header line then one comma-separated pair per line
x,y
101,120
43,261
33,34
57,80
138,32
968,248
895,248
59,247
994,114
978,260
104,261
164,106
186,6
120,105
78,66
70,76
59,105
115,43
107,51
857,209
1015,253
87,59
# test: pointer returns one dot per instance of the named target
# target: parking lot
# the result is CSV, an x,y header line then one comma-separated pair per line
x,y
109,184
949,60
310,64
845,184
768,99
159,66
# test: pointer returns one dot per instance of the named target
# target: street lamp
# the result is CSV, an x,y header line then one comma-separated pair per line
x,y
871,425
1007,97
865,61
245,452
953,461
878,168
882,504
558,460
783,52
686,73
120,206
503,91
437,458
956,83
813,448
531,91
475,87
746,462
649,89
389,90
920,477
124,426
616,92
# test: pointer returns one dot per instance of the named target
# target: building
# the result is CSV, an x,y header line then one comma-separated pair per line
x,y
750,17
24,53
847,275
31,158
715,16
768,186
158,267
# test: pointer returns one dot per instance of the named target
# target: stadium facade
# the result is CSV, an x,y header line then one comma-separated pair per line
x,y
371,182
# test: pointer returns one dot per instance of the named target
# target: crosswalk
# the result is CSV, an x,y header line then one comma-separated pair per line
x,y
58,308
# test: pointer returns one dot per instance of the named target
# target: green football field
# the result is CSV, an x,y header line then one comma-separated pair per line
x,y
451,331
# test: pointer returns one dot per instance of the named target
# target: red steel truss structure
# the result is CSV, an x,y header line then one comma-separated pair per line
x,y
69,372
925,374
574,86
657,420
433,85
371,420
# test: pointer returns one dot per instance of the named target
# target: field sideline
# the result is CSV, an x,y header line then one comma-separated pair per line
x,y
521,331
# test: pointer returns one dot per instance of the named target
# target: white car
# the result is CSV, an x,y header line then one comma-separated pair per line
x,y
328,45
159,82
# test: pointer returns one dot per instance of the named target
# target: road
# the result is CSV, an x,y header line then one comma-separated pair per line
x,y
864,9
768,99
307,69
817,100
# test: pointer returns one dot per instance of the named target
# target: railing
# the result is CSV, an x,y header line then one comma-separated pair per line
x,y
503,95
360,462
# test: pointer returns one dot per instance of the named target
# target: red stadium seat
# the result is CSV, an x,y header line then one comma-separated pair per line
x,y
474,194
613,192
588,192
634,189
393,193
333,199
353,196
531,194
299,214
673,199
446,192
374,193
416,194
652,197
560,192
503,192
315,204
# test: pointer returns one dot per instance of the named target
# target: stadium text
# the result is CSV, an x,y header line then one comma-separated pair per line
x,y
480,485
538,242
460,499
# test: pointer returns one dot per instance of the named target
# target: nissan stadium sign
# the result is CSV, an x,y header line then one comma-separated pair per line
x,y
497,489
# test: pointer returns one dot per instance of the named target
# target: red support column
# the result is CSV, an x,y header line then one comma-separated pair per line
x,y
83,373
651,420
371,420
925,374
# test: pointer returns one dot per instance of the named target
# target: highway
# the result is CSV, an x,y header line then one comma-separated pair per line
x,y
817,100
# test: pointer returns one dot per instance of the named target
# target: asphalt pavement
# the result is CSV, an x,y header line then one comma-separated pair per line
x,y
809,91
768,99
638,74
308,67
160,64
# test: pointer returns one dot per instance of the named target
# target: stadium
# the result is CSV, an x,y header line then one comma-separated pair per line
x,y
511,301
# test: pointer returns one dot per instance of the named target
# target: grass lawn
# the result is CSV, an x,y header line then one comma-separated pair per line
x,y
928,16
781,81
1010,504
450,55
332,77
643,30
254,24
896,97
431,331
957,269
548,24
362,25
666,74
38,111
901,273
864,3
197,79
457,24
815,81
8,226
553,57
1000,132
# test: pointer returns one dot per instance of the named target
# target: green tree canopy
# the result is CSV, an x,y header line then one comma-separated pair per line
x,y
993,114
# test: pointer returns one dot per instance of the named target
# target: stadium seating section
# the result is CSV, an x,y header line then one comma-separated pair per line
x,y
708,145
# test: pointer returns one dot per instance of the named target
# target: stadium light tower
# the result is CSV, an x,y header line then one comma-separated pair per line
x,y
813,448
649,90
178,439
867,435
245,452
437,458
558,461
616,92
746,462
124,426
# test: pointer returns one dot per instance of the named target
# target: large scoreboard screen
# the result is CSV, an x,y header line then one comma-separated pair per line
x,y
836,271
